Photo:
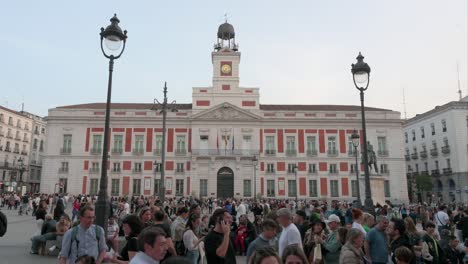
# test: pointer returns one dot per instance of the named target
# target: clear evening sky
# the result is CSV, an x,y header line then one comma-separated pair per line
x,y
297,52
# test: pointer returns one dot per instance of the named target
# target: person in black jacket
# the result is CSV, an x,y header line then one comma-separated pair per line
x,y
396,230
435,249
453,255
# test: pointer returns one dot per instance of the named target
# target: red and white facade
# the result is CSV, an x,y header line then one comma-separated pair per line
x,y
210,144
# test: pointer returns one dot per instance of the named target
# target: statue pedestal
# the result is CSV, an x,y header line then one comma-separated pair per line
x,y
377,188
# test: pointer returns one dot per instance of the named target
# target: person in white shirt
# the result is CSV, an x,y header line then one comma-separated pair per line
x,y
127,207
152,246
113,233
241,210
441,219
290,234
191,239
358,218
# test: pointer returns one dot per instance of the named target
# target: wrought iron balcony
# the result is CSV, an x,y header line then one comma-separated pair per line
x,y
24,153
16,151
309,171
435,173
333,172
96,151
423,154
414,155
94,170
332,153
157,151
311,152
291,152
446,149
382,153
434,152
269,171
26,140
7,149
18,138
138,151
136,171
65,151
180,152
407,157
270,152
116,170
63,170
10,136
225,152
116,151
447,171
179,171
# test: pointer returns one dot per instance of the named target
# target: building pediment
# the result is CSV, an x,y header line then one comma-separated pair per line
x,y
226,112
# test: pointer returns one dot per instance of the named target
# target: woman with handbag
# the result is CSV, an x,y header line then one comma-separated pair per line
x,y
313,240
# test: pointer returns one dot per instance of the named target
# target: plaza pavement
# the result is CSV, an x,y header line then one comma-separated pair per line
x,y
15,245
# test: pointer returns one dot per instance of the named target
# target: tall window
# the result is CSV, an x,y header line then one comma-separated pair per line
x,y
97,142
158,141
64,166
352,168
387,188
136,187
311,146
432,128
312,168
203,187
413,134
292,188
333,169
444,125
137,167
406,137
35,144
313,188
116,167
446,143
449,164
180,167
290,145
384,168
270,145
41,145
334,188
93,186
291,167
179,187
416,167
118,143
382,145
95,167
139,142
426,167
354,188
332,146
180,148
422,132
247,188
270,168
271,188
115,187
351,150
436,164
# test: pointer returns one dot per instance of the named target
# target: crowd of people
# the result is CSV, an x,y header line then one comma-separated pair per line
x,y
189,230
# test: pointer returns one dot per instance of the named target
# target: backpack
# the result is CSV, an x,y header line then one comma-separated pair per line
x,y
3,224
73,238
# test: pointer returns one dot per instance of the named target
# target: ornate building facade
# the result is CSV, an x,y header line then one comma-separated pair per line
x,y
300,151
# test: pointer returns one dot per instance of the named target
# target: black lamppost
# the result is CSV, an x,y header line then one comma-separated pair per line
x,y
112,37
297,189
155,165
411,183
361,73
355,141
21,169
255,163
163,107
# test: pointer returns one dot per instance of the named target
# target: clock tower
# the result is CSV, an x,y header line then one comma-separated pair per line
x,y
226,60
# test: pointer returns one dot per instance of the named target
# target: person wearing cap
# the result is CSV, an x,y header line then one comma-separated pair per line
x,y
290,234
301,224
332,244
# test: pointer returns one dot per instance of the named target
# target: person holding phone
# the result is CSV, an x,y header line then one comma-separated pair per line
x,y
218,246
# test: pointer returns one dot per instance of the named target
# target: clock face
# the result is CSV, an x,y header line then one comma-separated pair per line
x,y
226,68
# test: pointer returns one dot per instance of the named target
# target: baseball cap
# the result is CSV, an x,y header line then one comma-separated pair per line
x,y
333,218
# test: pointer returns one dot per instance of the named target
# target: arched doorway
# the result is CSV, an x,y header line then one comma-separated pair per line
x,y
225,183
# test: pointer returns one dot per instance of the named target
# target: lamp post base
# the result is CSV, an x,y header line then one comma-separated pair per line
x,y
102,210
369,206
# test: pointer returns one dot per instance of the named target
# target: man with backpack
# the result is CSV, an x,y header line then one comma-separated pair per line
x,y
84,239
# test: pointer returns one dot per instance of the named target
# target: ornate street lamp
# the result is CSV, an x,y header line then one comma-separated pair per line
x,y
155,165
255,163
21,169
361,74
355,141
114,45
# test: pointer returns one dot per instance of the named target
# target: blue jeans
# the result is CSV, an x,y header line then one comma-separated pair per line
x,y
41,238
193,255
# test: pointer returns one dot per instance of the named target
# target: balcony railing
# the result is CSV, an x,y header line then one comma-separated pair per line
x,y
311,152
382,153
116,170
24,153
434,152
95,151
157,151
447,171
332,152
291,152
7,149
26,140
94,170
10,136
33,162
16,151
63,170
65,151
407,157
270,171
18,138
312,171
333,172
435,173
446,149
180,152
138,151
4,164
136,171
2,134
414,155
423,154
351,153
179,171
116,151
270,152
225,152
